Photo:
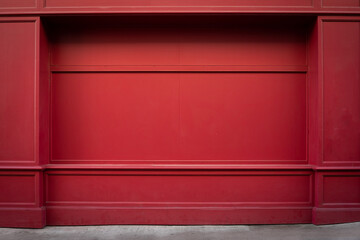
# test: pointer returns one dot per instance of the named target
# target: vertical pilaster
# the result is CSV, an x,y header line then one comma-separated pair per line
x,y
23,117
335,131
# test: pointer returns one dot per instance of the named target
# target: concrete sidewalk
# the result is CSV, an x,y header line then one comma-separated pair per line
x,y
349,231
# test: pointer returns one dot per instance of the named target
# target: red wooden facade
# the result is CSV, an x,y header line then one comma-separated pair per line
x,y
179,112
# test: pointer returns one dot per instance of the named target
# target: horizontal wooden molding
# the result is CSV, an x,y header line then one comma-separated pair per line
x,y
162,3
180,68
339,166
21,168
18,19
179,166
190,166
177,204
42,10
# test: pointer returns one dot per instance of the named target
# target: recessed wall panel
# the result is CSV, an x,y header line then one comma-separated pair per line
x,y
18,4
343,189
341,91
74,188
17,188
178,116
340,3
17,86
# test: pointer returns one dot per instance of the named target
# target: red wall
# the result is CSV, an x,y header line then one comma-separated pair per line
x,y
173,120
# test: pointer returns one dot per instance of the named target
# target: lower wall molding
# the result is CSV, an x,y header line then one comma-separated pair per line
x,y
335,215
75,215
88,196
176,216
23,217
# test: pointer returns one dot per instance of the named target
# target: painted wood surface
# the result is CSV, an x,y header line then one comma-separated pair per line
x,y
208,120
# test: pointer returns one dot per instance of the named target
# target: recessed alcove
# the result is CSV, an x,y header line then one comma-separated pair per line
x,y
213,88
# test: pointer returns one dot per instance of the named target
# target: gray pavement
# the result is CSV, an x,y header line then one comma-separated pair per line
x,y
349,231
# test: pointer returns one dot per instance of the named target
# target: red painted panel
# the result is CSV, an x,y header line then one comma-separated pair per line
x,y
17,188
169,116
115,116
182,189
17,76
341,3
341,91
243,116
143,44
137,3
17,3
342,189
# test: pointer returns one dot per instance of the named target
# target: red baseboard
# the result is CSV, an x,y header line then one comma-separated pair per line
x,y
35,217
335,215
23,217
176,216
